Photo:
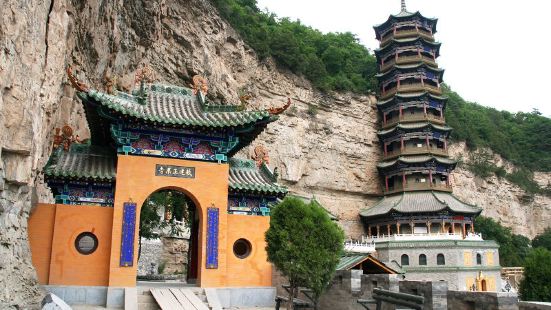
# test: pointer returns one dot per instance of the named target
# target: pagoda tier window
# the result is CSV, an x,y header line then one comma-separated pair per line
x,y
478,259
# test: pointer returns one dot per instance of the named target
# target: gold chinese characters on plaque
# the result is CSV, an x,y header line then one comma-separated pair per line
x,y
175,171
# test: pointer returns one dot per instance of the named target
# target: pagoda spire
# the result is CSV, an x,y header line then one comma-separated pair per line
x,y
404,6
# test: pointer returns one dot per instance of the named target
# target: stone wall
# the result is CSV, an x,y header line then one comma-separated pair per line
x,y
150,256
482,301
174,255
435,293
533,305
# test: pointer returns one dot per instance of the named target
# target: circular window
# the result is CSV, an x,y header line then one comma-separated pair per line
x,y
242,248
86,243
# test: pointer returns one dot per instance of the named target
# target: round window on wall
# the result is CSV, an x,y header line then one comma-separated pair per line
x,y
242,248
86,243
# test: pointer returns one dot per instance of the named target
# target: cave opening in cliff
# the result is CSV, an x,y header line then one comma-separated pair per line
x,y
168,237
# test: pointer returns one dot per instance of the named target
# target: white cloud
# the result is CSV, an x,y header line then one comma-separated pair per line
x,y
495,52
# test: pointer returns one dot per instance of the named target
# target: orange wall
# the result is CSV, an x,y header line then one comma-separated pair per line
x,y
136,180
253,270
41,229
57,261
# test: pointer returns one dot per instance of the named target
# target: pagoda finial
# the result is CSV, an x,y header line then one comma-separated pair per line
x,y
404,6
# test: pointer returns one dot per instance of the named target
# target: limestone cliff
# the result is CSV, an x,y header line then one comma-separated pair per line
x,y
323,145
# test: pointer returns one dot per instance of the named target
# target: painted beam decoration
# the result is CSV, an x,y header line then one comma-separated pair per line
x,y
128,231
212,238
175,171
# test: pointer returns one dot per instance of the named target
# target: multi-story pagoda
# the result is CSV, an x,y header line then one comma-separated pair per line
x,y
419,223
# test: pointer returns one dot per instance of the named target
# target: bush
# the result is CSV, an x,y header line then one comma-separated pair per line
x,y
543,240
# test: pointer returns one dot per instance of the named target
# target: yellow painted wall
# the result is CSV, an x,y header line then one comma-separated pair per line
x,y
254,269
469,282
41,230
489,258
136,180
468,258
53,230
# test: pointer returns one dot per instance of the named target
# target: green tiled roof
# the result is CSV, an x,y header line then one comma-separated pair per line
x,y
409,96
82,162
406,14
245,176
419,202
416,159
172,105
349,261
409,67
407,40
86,162
413,126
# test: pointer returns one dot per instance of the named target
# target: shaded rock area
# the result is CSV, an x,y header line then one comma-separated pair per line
x,y
324,145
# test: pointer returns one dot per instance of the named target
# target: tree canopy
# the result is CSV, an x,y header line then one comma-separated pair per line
x,y
513,248
304,244
543,240
535,286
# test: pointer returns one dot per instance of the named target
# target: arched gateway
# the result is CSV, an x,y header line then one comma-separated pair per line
x,y
157,137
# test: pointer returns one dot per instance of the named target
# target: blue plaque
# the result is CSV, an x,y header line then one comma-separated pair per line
x,y
212,238
128,230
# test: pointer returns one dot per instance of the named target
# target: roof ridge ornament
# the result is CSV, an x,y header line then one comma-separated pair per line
x,y
200,85
276,111
78,85
404,6
64,138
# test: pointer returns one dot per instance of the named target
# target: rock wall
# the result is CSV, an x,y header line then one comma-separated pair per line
x,y
323,145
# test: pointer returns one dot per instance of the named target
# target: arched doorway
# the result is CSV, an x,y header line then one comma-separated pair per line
x,y
484,285
168,237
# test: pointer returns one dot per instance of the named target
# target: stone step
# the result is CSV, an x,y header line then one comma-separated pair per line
x,y
146,298
148,306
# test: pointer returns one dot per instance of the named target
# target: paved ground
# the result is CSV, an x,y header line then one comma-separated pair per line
x,y
86,307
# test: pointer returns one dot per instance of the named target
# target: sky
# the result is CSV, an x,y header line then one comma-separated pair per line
x,y
495,52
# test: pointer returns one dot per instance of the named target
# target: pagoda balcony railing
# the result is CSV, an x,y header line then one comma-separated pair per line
x,y
410,118
399,34
359,246
416,87
427,186
426,236
404,60
416,151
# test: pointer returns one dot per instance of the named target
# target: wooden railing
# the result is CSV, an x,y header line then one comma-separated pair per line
x,y
405,34
402,60
407,117
416,151
419,187
412,88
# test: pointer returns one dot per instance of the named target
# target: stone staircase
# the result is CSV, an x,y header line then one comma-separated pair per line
x,y
146,301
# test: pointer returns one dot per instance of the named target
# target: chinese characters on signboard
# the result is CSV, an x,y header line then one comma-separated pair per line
x,y
128,230
212,238
175,171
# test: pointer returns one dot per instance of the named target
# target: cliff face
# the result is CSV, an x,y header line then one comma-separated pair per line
x,y
323,145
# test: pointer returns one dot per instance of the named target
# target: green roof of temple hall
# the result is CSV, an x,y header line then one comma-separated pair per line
x,y
95,163
419,202
176,106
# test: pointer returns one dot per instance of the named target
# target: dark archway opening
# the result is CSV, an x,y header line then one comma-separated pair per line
x,y
168,243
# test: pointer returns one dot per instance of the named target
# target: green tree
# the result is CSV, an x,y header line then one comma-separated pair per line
x,y
512,248
304,244
176,203
535,285
543,240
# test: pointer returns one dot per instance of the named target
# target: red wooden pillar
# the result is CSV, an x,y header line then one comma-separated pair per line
x,y
404,181
384,118
430,177
425,109
386,183
401,112
419,52
385,147
445,144
427,141
423,81
448,181
401,143
441,113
